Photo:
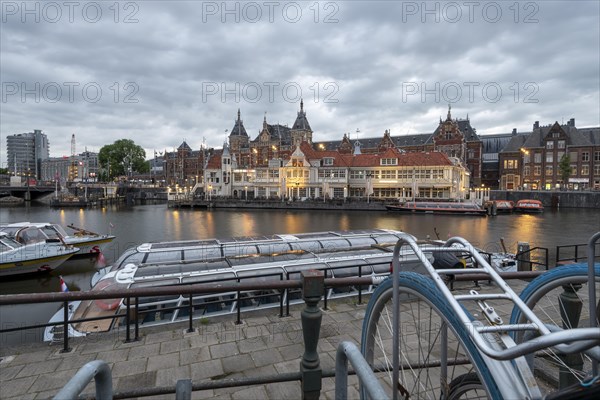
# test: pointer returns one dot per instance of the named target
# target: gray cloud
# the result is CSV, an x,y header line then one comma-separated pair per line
x,y
180,72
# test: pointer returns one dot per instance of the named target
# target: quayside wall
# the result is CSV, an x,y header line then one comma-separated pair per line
x,y
552,199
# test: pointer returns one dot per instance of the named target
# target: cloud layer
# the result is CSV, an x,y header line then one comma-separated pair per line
x,y
160,72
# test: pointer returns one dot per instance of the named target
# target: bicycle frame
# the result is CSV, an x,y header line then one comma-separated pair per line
x,y
505,362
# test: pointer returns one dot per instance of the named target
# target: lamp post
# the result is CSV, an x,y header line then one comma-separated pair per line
x,y
369,183
246,193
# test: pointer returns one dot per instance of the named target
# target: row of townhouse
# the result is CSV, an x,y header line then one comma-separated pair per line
x,y
533,160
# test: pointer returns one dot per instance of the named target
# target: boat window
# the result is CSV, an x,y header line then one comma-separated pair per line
x,y
30,235
204,266
294,270
386,239
335,244
224,277
4,247
205,253
261,275
361,241
253,259
239,250
338,270
51,233
310,246
163,256
273,248
154,283
121,261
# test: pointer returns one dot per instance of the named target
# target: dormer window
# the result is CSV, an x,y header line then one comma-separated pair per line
x,y
328,161
389,161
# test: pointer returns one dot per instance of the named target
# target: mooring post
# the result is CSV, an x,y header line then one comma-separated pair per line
x,y
313,283
570,312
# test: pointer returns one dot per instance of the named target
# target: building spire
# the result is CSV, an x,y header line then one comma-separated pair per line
x,y
301,105
238,114
449,117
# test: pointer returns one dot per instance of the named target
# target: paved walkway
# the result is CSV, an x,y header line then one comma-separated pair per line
x,y
263,345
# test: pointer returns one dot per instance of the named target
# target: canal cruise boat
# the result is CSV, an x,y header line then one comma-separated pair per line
x,y
529,206
229,261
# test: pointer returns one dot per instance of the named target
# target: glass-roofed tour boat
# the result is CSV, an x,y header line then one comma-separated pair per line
x,y
245,260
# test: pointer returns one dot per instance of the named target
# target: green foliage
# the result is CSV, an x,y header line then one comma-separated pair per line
x,y
123,157
3,171
564,168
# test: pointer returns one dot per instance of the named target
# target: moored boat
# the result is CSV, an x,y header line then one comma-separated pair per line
x,y
499,206
438,207
89,243
17,258
529,206
225,262
246,260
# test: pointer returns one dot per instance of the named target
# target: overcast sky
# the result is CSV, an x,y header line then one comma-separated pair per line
x,y
159,72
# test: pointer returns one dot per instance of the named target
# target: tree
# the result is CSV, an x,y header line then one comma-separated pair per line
x,y
564,168
123,157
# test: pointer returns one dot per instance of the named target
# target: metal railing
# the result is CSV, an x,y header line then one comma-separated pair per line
x,y
577,252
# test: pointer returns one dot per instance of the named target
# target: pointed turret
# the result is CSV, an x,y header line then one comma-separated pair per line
x,y
301,131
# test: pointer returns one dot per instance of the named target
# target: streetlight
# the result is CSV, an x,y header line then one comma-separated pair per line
x,y
209,192
246,193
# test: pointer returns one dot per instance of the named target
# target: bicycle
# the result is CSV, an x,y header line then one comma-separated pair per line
x,y
442,349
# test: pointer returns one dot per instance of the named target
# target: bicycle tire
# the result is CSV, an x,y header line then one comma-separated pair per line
x,y
423,290
464,384
541,296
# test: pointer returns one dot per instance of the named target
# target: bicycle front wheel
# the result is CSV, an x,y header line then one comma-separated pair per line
x,y
428,330
560,298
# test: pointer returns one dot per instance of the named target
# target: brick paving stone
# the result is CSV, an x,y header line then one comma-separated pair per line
x,y
136,381
252,344
9,372
143,352
70,361
206,369
224,350
194,355
114,356
173,346
95,346
33,357
156,363
284,390
55,380
292,352
238,363
259,371
17,387
159,337
130,367
266,357
39,368
251,393
287,366
170,376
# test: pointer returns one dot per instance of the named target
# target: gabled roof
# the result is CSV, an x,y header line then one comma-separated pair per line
x,y
464,125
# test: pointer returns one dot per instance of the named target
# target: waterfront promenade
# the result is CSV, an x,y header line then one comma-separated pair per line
x,y
264,344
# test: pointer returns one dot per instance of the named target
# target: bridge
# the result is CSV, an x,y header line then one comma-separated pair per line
x,y
32,192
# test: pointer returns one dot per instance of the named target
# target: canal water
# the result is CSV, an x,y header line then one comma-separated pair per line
x,y
156,222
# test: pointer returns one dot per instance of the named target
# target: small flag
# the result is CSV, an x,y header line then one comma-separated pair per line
x,y
63,285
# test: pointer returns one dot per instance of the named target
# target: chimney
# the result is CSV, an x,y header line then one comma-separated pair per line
x,y
571,122
514,132
536,125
